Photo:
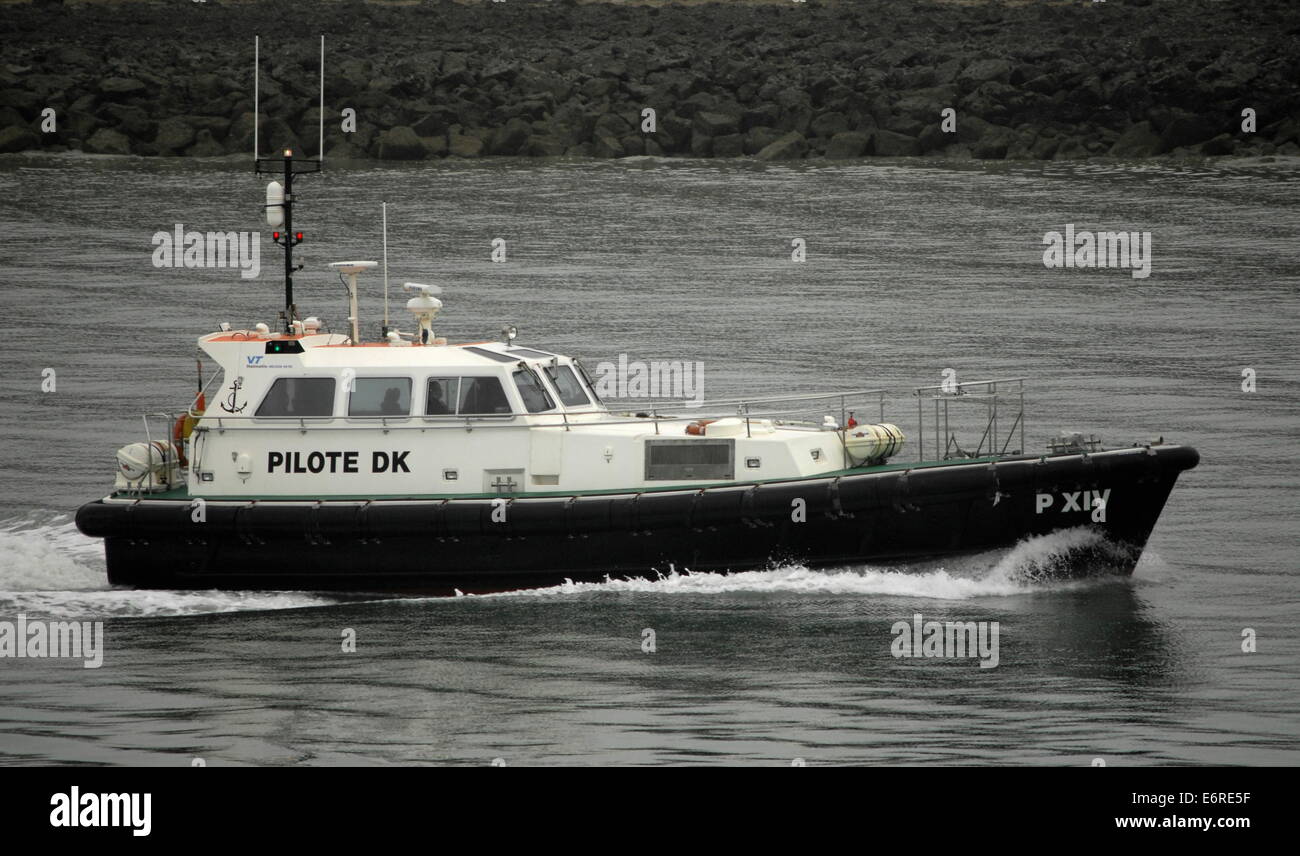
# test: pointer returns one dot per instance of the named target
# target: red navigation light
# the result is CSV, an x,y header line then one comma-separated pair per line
x,y
298,236
275,236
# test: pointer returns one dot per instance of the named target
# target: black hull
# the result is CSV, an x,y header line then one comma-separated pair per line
x,y
440,545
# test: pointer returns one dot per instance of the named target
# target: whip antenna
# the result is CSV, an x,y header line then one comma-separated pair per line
x,y
385,268
320,148
256,64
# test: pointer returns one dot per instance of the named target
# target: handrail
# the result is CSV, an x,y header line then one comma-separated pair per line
x,y
660,414
989,396
727,402
202,392
458,422
670,412
942,387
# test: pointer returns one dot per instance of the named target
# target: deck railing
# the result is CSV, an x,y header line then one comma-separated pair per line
x,y
991,395
748,409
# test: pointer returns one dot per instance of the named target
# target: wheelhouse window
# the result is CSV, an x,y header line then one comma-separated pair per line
x,y
299,397
586,378
567,385
536,398
380,396
482,396
441,396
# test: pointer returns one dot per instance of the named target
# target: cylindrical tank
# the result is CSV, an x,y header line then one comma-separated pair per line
x,y
873,443
138,460
274,204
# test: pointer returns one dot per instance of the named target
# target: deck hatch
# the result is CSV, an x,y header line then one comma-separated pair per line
x,y
494,355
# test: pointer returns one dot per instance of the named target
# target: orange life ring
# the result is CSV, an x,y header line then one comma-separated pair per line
x,y
178,438
184,426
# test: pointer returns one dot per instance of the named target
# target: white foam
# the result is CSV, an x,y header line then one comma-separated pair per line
x,y
49,569
133,603
1035,564
49,555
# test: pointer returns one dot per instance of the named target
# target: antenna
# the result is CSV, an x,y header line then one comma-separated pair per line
x,y
385,268
256,68
351,269
424,306
280,198
320,148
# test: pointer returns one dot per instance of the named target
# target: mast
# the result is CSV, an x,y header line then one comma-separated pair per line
x,y
288,238
284,202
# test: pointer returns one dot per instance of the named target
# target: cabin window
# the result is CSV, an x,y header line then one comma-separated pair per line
x,y
299,397
441,397
536,398
586,378
482,395
380,396
567,385
689,459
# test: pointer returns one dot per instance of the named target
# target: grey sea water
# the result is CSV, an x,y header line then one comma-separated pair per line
x,y
911,269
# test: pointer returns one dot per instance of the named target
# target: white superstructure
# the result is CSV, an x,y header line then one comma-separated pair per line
x,y
314,415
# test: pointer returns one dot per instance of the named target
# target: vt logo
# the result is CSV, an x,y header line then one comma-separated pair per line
x,y
255,360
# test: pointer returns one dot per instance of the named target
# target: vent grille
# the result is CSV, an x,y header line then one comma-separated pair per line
x,y
681,460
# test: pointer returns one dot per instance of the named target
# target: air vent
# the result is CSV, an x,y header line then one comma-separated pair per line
x,y
681,460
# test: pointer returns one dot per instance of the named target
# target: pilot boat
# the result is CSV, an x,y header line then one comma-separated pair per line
x,y
407,463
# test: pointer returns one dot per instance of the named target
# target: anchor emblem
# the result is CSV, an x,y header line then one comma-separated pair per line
x,y
230,405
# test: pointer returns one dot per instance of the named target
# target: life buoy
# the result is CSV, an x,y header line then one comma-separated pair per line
x,y
183,427
178,438
697,428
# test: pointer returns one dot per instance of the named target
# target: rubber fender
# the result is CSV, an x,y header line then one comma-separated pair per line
x,y
833,499
1015,476
670,510
537,516
860,492
775,501
267,522
467,517
585,514
336,522
98,521
719,505
948,482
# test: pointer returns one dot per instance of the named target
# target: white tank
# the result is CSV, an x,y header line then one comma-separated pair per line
x,y
139,460
873,442
274,204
